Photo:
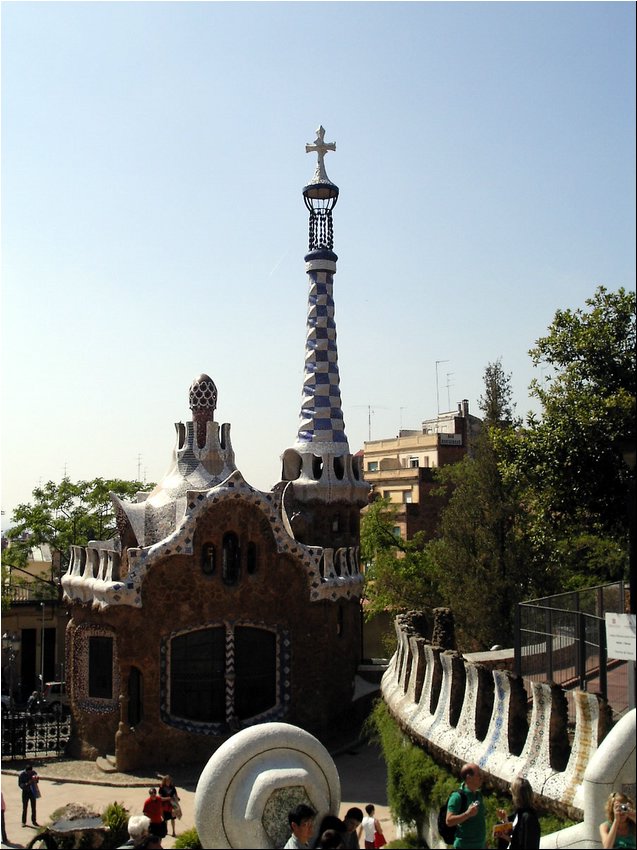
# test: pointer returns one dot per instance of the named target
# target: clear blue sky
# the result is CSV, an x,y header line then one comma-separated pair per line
x,y
153,225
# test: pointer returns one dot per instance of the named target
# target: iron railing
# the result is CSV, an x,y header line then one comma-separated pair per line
x,y
562,639
27,735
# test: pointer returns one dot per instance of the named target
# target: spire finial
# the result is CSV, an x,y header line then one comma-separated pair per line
x,y
320,147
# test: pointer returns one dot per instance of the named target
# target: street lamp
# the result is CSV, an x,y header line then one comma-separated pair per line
x,y
42,652
11,645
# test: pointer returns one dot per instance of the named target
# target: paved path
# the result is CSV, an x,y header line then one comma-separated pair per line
x,y
361,769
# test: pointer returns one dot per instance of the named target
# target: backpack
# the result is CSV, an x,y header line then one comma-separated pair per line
x,y
448,833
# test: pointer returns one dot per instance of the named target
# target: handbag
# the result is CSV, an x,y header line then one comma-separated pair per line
x,y
35,790
176,809
379,839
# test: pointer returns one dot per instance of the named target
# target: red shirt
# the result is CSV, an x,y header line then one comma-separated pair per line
x,y
153,808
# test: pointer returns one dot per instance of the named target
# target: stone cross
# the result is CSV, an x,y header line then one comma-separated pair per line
x,y
321,147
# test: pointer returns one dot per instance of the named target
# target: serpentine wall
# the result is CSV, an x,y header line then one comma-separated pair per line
x,y
461,711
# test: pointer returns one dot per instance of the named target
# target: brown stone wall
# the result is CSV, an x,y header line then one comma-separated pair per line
x,y
177,596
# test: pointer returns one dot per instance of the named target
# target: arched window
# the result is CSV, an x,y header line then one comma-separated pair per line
x,y
252,558
221,673
198,675
230,558
208,559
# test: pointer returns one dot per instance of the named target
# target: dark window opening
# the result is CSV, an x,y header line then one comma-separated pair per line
x,y
317,467
255,682
135,697
339,468
336,523
197,675
251,559
231,558
208,559
100,667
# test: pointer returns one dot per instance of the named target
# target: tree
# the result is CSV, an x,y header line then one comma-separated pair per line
x,y
399,574
568,460
483,562
68,513
496,403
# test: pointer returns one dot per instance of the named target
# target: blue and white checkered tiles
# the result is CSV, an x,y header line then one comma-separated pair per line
x,y
321,418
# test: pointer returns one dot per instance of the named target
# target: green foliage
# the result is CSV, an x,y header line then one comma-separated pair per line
x,y
411,773
496,404
571,455
69,513
567,464
399,573
483,545
115,816
188,839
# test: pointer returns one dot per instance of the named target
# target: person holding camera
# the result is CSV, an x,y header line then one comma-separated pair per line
x,y
465,810
618,830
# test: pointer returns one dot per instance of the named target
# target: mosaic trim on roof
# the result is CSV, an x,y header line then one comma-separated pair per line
x,y
325,581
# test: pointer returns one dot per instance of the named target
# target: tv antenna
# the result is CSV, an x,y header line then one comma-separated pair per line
x,y
371,410
437,392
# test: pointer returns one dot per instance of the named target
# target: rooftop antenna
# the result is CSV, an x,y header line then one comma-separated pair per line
x,y
139,467
371,409
437,393
449,385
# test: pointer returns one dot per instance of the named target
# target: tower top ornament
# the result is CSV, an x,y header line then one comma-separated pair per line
x,y
320,147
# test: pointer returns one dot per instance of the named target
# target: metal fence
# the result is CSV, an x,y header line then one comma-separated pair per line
x,y
562,639
27,735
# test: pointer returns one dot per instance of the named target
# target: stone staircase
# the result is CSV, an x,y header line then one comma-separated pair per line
x,y
107,763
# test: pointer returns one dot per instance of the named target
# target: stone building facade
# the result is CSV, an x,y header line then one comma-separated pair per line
x,y
219,606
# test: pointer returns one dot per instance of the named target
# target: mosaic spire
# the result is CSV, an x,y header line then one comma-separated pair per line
x,y
321,417
320,463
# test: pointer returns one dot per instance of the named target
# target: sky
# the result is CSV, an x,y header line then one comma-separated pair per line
x,y
153,226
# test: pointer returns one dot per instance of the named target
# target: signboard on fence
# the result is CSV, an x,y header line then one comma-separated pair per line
x,y
620,636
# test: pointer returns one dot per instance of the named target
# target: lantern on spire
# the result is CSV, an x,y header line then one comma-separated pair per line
x,y
320,196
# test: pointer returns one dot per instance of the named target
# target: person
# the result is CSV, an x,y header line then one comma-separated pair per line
x,y
154,810
33,703
618,830
369,826
465,810
5,840
28,781
301,820
138,827
331,838
524,822
352,820
330,823
150,842
168,793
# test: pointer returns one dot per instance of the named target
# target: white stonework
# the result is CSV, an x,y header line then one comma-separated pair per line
x,y
251,782
567,787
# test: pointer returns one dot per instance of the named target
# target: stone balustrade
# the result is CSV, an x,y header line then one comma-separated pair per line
x,y
461,711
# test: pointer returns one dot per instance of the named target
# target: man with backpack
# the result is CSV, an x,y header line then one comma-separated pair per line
x,y
466,812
